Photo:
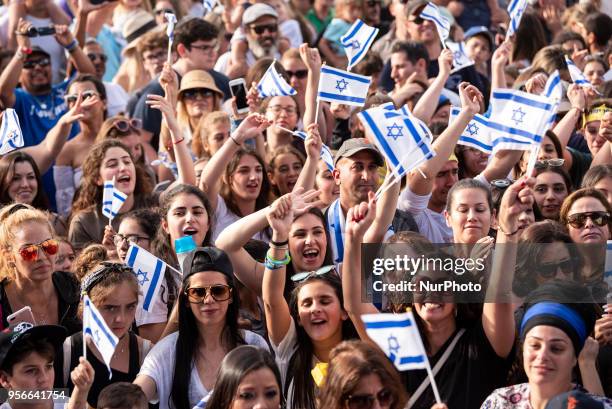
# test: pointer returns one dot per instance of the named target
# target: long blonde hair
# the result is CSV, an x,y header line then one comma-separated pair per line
x,y
8,228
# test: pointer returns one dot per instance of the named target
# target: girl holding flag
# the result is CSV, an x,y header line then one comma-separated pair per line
x,y
479,352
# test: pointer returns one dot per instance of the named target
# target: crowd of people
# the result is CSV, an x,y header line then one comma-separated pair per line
x,y
267,310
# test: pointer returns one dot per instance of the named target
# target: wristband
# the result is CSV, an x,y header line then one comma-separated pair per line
x,y
71,46
179,141
234,140
273,264
508,234
279,243
23,52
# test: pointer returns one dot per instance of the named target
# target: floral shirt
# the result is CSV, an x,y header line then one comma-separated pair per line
x,y
517,397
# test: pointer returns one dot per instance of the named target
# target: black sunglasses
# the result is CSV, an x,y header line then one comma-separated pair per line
x,y
94,56
163,11
366,401
578,220
417,20
548,270
43,62
195,92
300,74
272,28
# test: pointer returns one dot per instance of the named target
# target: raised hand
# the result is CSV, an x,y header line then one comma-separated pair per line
x,y
340,111
311,57
517,198
76,112
280,216
23,41
471,97
83,375
501,56
536,84
253,98
445,62
360,217
313,142
578,57
169,82
302,201
63,35
576,96
250,127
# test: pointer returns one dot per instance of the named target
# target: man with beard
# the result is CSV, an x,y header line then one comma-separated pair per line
x,y
260,28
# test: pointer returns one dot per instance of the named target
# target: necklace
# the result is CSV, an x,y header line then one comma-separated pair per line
x,y
41,318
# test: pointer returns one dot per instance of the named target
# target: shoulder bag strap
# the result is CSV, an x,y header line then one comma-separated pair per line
x,y
417,394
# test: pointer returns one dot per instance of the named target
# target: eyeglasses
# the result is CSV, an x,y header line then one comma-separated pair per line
x,y
157,56
94,56
305,275
30,252
501,183
219,292
417,20
549,163
124,125
578,220
43,62
548,270
271,28
119,239
278,108
205,48
300,74
366,401
194,93
72,98
163,11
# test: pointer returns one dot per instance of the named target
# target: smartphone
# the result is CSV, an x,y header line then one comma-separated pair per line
x,y
23,315
239,90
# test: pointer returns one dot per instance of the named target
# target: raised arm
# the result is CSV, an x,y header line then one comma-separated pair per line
x,y
500,58
312,59
65,38
212,174
313,146
10,75
384,214
426,106
84,7
498,316
444,145
82,378
46,152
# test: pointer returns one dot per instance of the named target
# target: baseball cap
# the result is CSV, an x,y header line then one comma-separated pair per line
x,y
354,145
256,11
415,6
37,50
208,259
25,331
480,30
574,400
199,79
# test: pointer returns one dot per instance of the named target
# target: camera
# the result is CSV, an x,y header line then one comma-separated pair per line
x,y
40,31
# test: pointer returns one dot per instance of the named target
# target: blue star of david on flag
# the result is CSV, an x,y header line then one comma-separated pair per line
x,y
472,129
394,131
357,41
341,85
355,45
517,115
141,276
149,271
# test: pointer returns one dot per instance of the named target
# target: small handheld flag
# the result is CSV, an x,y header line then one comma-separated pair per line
x,y
11,137
171,18
209,5
343,87
357,41
578,77
431,12
460,58
516,8
272,84
112,200
476,134
149,271
96,329
398,337
326,154
554,87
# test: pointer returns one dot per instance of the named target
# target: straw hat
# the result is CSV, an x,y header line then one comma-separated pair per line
x,y
199,79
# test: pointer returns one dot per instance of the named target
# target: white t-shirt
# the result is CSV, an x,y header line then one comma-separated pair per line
x,y
431,224
116,98
159,366
225,217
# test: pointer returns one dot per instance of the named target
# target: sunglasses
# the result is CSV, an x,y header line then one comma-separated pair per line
x,y
43,62
72,98
549,163
163,11
119,239
501,183
197,92
366,401
300,74
154,57
272,28
417,20
219,292
94,56
30,252
578,220
124,125
305,275
549,270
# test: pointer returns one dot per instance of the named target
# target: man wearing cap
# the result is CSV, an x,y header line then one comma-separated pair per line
x,y
356,166
195,42
479,46
27,354
260,27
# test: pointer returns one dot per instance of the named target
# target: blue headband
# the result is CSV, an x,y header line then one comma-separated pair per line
x,y
560,311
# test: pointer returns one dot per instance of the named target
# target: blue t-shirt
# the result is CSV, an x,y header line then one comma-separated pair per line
x,y
37,115
334,31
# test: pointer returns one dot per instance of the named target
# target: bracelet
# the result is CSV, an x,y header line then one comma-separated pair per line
x,y
581,110
508,234
279,243
23,52
179,141
272,264
234,140
72,46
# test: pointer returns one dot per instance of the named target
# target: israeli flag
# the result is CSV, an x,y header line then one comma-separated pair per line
x,y
326,154
578,77
432,12
476,134
343,87
519,119
96,329
112,199
171,18
460,58
403,140
516,8
209,5
204,401
357,41
272,84
554,87
149,271
11,137
398,336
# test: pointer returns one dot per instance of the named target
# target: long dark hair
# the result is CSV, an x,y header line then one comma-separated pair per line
x,y
235,366
7,171
301,361
189,340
